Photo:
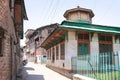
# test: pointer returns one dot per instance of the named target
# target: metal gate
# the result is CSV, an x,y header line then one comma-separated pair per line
x,y
103,66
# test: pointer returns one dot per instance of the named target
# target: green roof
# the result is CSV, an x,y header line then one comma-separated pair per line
x,y
69,25
81,21
89,27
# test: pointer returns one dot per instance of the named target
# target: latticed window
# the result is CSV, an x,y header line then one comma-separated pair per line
x,y
106,48
105,38
1,40
62,51
83,36
105,43
83,43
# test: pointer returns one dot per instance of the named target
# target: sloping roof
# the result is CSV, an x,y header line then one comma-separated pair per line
x,y
89,27
77,26
42,27
25,14
79,9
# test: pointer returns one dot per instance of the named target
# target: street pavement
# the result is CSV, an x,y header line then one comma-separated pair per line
x,y
40,72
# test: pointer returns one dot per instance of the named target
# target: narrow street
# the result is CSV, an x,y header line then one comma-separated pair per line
x,y
40,72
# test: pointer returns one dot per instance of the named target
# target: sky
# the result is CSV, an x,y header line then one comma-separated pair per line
x,y
45,12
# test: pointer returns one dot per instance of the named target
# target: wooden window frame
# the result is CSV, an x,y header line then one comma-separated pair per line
x,y
106,42
57,52
84,40
83,35
53,54
62,52
48,55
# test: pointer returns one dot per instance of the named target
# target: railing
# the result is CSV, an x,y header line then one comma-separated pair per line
x,y
102,66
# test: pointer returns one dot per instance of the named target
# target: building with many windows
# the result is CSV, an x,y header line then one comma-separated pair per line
x,y
34,38
28,50
77,36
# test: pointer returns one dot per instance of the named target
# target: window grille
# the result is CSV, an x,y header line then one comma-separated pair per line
x,y
83,36
62,47
105,38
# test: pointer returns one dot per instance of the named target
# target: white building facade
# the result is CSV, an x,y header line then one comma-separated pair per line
x,y
77,36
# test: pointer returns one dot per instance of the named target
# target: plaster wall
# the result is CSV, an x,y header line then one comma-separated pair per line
x,y
94,44
57,63
70,49
116,44
79,15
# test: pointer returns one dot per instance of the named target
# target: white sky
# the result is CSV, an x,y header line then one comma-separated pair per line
x,y
44,12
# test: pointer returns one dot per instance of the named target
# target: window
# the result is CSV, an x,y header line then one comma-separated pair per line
x,y
105,43
1,40
83,49
53,54
83,43
83,36
57,52
62,51
48,54
105,38
106,48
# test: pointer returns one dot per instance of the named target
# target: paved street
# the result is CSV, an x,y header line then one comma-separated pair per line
x,y
40,72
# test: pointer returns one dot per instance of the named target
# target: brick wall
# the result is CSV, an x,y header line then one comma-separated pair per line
x,y
9,61
6,21
5,68
3,12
